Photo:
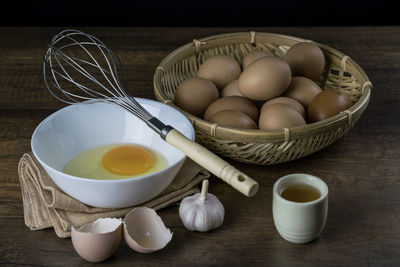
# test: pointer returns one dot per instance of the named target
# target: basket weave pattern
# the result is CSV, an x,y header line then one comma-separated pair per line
x,y
259,146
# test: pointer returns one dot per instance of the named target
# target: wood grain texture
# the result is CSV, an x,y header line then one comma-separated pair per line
x,y
362,169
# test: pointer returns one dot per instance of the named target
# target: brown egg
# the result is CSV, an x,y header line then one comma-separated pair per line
x,y
221,70
238,103
231,89
265,78
303,90
288,101
233,118
326,104
253,56
305,59
195,95
278,116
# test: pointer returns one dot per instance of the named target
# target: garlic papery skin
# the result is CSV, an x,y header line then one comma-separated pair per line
x,y
202,211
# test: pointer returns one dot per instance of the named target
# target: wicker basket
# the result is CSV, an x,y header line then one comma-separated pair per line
x,y
261,146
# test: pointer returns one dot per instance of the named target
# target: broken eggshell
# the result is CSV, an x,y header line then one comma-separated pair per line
x,y
98,240
144,231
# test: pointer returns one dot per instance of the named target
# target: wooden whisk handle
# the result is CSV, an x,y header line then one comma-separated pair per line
x,y
213,163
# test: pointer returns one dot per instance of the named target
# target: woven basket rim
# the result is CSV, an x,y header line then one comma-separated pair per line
x,y
254,136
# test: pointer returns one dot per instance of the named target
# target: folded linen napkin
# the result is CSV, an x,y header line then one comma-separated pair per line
x,y
46,205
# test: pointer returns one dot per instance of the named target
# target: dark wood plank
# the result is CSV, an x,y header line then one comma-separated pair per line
x,y
362,169
143,48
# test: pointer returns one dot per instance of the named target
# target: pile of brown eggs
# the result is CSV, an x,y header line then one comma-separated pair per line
x,y
270,93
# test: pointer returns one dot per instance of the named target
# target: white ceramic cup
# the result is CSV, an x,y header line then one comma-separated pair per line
x,y
299,222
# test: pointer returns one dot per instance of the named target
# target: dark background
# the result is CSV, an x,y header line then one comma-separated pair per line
x,y
199,13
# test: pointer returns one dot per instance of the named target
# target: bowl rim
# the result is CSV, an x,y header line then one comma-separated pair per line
x,y
124,180
260,136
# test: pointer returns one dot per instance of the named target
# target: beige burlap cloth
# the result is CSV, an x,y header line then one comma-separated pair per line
x,y
46,205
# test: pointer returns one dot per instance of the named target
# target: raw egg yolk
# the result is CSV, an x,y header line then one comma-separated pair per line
x,y
128,160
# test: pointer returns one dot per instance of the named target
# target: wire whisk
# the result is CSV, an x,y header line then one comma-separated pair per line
x,y
61,64
79,67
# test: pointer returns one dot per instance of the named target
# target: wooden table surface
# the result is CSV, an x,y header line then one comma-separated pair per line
x,y
361,169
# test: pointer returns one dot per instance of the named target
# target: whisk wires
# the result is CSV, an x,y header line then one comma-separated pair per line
x,y
79,67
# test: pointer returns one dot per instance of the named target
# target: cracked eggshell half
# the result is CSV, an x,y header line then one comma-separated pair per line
x,y
144,231
98,240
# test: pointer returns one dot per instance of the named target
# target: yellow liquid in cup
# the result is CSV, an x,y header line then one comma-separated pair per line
x,y
301,193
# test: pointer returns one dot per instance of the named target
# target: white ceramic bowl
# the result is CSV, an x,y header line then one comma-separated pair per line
x,y
79,127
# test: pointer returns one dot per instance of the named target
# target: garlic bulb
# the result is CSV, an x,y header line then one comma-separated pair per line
x,y
201,211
